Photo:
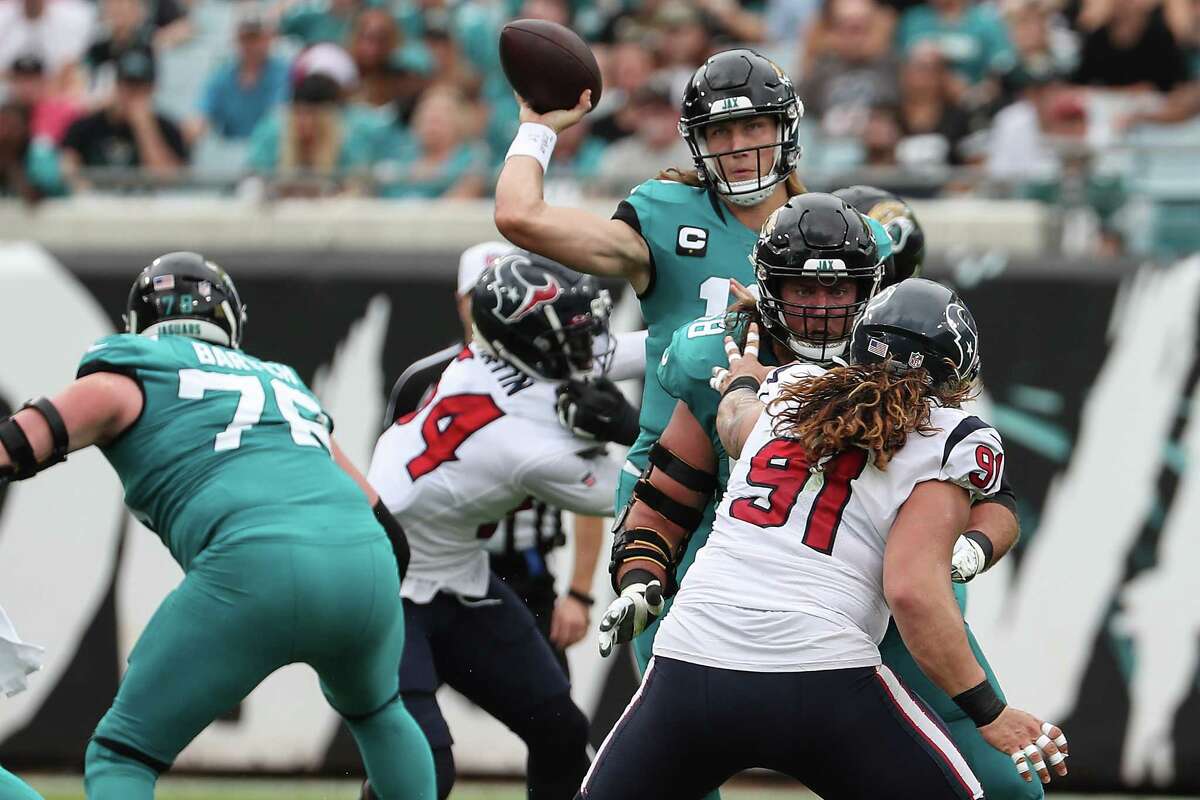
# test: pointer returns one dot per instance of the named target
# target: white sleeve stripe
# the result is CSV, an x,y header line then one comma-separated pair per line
x,y
964,429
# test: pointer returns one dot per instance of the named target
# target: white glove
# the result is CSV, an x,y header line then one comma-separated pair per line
x,y
967,561
630,614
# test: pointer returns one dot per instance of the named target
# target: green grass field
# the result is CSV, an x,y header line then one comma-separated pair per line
x,y
70,788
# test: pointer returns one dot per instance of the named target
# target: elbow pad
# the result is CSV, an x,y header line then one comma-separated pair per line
x,y
20,451
650,545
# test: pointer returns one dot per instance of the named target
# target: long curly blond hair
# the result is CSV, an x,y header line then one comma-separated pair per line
x,y
868,405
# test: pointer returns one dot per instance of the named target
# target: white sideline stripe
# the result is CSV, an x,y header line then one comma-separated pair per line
x,y
633,703
930,730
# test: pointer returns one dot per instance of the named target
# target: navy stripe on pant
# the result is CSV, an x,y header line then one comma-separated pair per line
x,y
848,733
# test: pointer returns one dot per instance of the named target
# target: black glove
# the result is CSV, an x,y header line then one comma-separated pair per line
x,y
395,535
596,409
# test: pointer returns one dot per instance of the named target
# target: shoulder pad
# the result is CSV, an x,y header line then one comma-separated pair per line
x,y
126,350
662,191
782,376
972,454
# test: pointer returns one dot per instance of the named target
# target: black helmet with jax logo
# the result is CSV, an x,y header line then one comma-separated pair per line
x,y
890,211
541,317
820,238
919,324
731,85
185,294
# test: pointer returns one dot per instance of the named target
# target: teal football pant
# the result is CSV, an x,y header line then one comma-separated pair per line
x,y
248,606
13,788
994,769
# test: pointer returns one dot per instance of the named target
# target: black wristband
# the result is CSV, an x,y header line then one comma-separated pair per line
x,y
742,382
586,599
636,575
980,703
981,539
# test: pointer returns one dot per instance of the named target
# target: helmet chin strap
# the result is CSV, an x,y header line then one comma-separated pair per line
x,y
747,198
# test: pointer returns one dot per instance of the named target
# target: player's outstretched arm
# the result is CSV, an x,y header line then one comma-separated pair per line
x,y
383,515
915,564
740,407
343,461
664,511
572,611
95,409
581,240
992,530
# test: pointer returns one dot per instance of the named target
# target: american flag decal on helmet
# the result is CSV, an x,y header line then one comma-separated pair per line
x,y
877,347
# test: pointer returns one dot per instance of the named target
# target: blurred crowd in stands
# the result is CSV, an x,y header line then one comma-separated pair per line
x,y
406,98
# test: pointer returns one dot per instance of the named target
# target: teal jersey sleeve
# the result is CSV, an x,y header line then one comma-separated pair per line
x,y
695,247
226,443
686,366
121,352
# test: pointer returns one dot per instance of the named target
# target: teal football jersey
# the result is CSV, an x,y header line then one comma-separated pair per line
x,y
696,246
684,372
225,443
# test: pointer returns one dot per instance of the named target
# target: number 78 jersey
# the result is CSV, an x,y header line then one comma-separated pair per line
x,y
226,444
791,538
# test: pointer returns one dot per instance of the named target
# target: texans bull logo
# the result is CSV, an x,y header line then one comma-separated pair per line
x,y
527,297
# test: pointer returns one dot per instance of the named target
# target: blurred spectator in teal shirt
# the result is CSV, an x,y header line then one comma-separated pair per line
x,y
314,21
241,92
972,37
442,161
311,146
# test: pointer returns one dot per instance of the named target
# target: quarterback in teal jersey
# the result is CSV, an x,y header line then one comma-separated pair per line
x,y
678,239
685,372
231,461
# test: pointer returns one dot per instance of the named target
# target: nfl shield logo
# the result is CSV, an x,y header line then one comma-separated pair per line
x,y
877,347
915,360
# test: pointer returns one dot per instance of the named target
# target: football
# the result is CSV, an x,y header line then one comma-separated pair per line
x,y
548,64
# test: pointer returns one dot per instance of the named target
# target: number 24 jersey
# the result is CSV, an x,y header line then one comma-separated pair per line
x,y
791,578
486,441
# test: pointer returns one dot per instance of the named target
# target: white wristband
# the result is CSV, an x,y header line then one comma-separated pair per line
x,y
533,139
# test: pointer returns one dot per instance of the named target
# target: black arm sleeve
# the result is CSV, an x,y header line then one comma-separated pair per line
x,y
1005,496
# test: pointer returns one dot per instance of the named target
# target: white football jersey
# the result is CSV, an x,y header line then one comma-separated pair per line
x,y
791,578
485,442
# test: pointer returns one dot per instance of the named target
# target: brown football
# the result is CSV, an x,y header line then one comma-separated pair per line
x,y
548,64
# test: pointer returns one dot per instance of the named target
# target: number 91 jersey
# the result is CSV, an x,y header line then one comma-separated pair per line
x,y
810,543
225,444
